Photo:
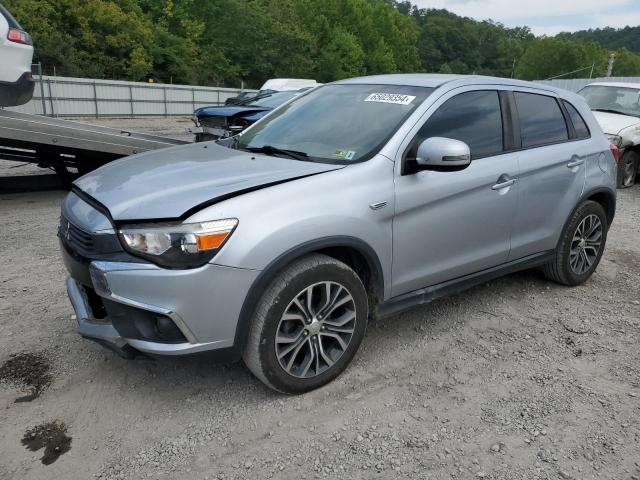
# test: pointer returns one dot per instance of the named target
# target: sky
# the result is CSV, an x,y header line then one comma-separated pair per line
x,y
546,17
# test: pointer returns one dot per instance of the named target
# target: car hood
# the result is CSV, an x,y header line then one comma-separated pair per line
x,y
174,182
228,111
614,123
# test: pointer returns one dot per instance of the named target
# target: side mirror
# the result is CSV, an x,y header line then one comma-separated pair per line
x,y
438,153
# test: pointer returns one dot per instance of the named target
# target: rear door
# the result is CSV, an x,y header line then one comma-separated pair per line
x,y
552,172
449,224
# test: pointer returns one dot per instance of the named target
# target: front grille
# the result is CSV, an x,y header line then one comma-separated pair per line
x,y
80,240
86,244
75,238
213,122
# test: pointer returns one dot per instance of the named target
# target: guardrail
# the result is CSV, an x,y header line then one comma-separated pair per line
x,y
81,97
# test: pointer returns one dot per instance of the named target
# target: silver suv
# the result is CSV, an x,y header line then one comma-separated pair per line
x,y
356,200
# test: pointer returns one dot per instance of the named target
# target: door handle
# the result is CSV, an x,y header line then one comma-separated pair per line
x,y
503,182
575,163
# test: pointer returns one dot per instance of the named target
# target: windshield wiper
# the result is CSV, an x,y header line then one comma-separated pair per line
x,y
271,150
609,110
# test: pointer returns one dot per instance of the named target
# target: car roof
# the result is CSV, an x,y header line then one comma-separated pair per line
x,y
435,80
615,84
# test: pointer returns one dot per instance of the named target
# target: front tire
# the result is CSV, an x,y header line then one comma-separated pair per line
x,y
307,326
628,169
581,246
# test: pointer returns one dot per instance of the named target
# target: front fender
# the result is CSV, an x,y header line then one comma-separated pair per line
x,y
282,218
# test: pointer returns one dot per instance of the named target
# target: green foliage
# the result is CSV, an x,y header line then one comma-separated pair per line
x,y
225,42
627,64
448,42
552,56
609,38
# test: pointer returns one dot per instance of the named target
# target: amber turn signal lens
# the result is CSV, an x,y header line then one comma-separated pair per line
x,y
211,241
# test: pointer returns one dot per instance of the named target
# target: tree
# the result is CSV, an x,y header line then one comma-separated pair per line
x,y
549,56
225,42
627,64
609,38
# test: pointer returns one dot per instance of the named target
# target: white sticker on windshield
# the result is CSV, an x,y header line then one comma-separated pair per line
x,y
346,154
397,98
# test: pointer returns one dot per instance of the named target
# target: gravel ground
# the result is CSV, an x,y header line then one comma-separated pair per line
x,y
515,379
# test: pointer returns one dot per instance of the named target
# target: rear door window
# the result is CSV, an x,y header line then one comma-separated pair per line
x,y
541,120
471,117
579,125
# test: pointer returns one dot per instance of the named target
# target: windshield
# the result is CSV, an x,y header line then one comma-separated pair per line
x,y
271,101
624,100
337,123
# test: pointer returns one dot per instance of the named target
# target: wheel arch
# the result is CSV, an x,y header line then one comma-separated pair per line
x,y
604,197
354,252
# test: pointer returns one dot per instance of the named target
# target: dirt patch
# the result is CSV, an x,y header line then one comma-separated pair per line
x,y
28,371
52,437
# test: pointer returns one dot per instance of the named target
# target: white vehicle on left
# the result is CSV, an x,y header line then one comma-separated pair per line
x,y
16,55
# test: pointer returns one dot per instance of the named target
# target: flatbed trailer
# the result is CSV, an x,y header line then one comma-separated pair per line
x,y
70,148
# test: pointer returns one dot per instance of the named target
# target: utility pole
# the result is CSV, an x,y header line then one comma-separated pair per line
x,y
612,59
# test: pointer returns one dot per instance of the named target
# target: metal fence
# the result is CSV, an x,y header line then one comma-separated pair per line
x,y
575,84
82,97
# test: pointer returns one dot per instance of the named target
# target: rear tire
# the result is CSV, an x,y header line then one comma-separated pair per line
x,y
307,326
628,169
581,246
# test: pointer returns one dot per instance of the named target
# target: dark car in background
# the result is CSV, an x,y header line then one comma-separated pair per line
x,y
212,123
241,98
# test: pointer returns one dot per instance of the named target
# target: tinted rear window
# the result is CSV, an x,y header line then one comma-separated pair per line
x,y
579,125
10,20
472,117
541,120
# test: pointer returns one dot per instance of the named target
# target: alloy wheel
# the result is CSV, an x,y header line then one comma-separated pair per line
x,y
315,329
585,245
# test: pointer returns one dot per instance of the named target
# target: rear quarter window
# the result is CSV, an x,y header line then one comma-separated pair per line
x,y
579,125
541,120
10,20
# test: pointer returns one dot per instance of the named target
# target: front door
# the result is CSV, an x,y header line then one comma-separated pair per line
x,y
452,223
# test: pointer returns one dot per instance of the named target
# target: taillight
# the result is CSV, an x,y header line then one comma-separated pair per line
x,y
616,152
19,36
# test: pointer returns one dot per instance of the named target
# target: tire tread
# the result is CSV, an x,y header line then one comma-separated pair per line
x,y
251,355
556,270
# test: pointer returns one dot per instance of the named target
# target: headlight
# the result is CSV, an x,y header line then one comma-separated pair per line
x,y
177,245
615,139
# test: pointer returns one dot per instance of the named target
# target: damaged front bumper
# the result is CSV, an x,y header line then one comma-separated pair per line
x,y
91,328
132,307
204,134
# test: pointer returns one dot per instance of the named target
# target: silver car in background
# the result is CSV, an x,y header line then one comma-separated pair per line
x,y
356,200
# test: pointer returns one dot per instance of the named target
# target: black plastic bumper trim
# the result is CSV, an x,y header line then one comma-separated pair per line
x,y
13,94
